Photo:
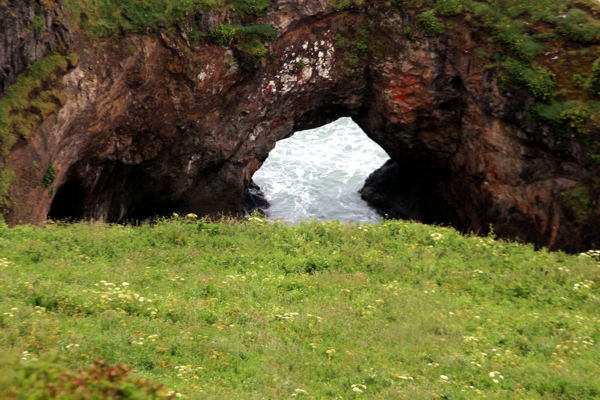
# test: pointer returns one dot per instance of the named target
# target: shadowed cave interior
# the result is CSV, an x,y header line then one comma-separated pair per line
x,y
399,190
68,203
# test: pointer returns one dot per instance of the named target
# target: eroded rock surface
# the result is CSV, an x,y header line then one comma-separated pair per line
x,y
29,30
152,126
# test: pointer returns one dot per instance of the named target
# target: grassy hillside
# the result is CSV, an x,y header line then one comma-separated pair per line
x,y
320,310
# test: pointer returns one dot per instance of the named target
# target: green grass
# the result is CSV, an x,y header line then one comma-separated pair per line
x,y
265,310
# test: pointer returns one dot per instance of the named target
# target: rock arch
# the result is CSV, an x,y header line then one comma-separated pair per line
x,y
151,126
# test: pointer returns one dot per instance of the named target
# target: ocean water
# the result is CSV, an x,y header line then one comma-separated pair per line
x,y
317,174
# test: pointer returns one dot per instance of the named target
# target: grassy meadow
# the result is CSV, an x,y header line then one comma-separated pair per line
x,y
262,310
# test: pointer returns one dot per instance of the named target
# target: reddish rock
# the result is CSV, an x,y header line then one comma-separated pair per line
x,y
154,127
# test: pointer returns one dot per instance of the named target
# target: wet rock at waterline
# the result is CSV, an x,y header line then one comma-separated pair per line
x,y
153,125
399,192
254,200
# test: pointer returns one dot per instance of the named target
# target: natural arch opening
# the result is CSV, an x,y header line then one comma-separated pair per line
x,y
318,173
68,203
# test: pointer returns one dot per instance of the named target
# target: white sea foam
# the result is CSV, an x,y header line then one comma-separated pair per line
x,y
318,173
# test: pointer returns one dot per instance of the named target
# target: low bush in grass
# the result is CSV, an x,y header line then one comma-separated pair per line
x,y
26,377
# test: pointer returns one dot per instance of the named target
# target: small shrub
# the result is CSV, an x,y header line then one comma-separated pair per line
x,y
223,34
345,4
315,264
361,44
545,36
37,24
7,178
195,35
512,34
396,4
540,82
579,26
254,49
594,82
49,176
260,31
450,7
251,7
429,23
409,34
578,200
579,81
563,119
49,378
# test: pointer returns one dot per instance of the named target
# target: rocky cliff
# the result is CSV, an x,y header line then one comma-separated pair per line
x,y
178,119
29,31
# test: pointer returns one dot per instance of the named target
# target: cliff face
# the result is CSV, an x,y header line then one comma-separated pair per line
x,y
154,125
29,30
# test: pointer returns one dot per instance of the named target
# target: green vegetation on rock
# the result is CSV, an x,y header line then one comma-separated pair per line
x,y
532,41
345,4
32,98
115,17
251,7
594,83
579,26
247,39
35,96
38,24
429,23
7,178
540,81
49,176
579,200
562,119
224,34
318,310
355,45
409,34
254,49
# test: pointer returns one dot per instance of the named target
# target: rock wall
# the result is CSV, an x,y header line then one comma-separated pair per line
x,y
153,125
29,30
